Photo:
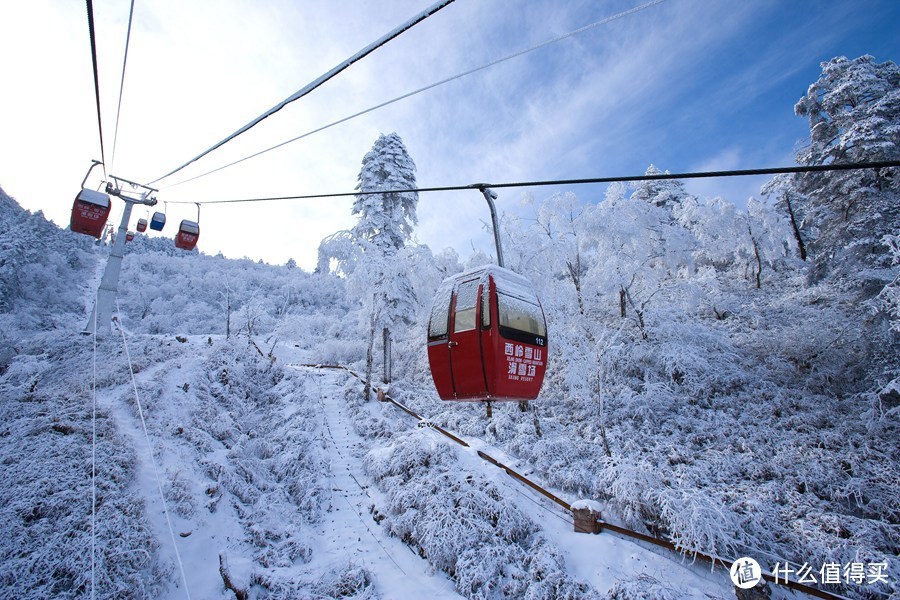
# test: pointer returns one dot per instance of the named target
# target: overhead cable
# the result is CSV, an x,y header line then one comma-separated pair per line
x,y
90,15
320,80
646,177
94,457
434,85
112,160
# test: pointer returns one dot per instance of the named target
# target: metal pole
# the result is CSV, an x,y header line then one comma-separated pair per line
x,y
490,195
94,163
109,285
101,315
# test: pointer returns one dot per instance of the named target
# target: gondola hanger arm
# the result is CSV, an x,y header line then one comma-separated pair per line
x,y
490,195
94,163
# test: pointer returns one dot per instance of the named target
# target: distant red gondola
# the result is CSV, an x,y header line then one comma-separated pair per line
x,y
89,212
188,234
129,236
142,225
487,337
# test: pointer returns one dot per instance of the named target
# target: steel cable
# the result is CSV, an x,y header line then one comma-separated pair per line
x,y
112,160
90,15
431,86
594,180
319,81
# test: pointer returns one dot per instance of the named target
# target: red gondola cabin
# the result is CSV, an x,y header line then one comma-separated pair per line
x,y
142,225
89,212
487,337
129,236
188,234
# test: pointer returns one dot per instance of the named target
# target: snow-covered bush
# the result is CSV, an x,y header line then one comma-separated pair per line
x,y
641,587
272,467
349,582
462,523
45,450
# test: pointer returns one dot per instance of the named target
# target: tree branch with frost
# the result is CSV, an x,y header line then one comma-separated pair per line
x,y
240,594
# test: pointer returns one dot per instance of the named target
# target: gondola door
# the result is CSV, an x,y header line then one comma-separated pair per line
x,y
464,342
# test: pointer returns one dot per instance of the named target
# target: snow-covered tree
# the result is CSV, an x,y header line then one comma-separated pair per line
x,y
854,116
386,219
890,295
640,245
372,254
663,193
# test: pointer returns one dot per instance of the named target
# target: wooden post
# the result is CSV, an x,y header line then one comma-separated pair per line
x,y
587,516
386,341
761,591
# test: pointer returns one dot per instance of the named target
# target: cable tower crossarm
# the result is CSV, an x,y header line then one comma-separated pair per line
x,y
543,44
594,180
396,32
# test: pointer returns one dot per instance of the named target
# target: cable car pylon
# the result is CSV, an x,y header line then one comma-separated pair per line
x,y
101,315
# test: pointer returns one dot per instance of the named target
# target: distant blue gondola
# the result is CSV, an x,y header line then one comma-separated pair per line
x,y
158,221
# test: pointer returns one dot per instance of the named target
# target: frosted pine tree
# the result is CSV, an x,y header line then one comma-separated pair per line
x,y
374,249
386,220
854,116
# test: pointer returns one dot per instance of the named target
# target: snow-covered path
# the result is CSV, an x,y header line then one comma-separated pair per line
x,y
147,483
600,560
200,539
349,532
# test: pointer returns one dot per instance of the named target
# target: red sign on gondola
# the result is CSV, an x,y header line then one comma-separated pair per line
x,y
89,212
487,337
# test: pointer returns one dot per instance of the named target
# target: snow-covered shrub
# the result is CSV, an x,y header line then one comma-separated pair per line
x,y
178,494
351,582
461,523
642,587
45,492
348,582
374,425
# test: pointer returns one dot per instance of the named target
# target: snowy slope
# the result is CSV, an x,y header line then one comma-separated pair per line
x,y
264,466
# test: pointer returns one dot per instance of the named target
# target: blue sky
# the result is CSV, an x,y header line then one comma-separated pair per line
x,y
684,85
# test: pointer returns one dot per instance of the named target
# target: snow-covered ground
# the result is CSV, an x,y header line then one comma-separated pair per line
x,y
226,431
